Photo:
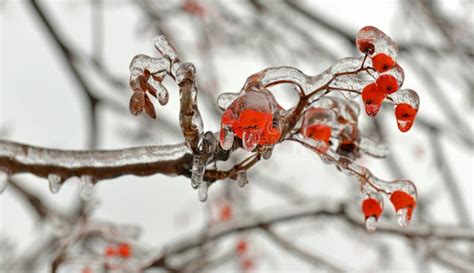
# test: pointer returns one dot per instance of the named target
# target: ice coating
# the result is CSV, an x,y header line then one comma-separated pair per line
x,y
371,40
30,155
407,96
406,103
373,148
317,124
166,49
159,91
225,99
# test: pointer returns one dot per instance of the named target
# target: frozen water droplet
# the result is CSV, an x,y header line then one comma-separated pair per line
x,y
371,223
225,100
54,182
250,138
267,152
3,181
87,187
197,172
226,137
202,191
242,179
403,217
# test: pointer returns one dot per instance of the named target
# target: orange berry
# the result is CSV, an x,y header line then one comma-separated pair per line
x,y
109,251
371,207
225,213
382,62
246,264
366,47
372,96
405,115
124,250
319,132
387,83
241,247
401,200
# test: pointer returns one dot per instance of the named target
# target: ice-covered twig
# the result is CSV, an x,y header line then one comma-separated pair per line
x,y
100,164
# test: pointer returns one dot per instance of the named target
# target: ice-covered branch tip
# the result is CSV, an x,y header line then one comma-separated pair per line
x,y
325,119
146,76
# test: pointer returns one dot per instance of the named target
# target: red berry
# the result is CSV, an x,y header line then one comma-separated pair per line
x,y
194,7
366,47
382,62
254,119
270,135
109,251
124,250
241,247
405,115
371,207
86,270
246,264
387,83
372,96
402,200
225,213
319,132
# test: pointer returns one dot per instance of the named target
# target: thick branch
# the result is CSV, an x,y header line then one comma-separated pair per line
x,y
101,164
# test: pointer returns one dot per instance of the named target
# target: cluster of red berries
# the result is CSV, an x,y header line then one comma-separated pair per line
x,y
122,250
372,207
382,51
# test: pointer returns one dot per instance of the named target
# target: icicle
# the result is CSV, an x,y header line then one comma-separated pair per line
x,y
54,182
267,152
371,223
403,218
197,172
87,187
226,137
250,138
242,179
202,191
225,99
3,181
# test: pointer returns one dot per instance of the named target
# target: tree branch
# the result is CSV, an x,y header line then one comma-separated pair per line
x,y
101,164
